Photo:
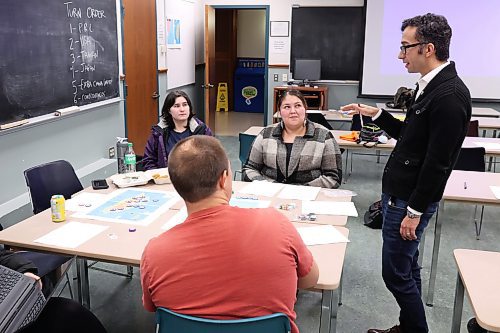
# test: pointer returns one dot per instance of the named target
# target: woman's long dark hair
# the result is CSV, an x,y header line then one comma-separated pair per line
x,y
169,102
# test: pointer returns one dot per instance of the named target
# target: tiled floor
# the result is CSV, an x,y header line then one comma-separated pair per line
x,y
231,123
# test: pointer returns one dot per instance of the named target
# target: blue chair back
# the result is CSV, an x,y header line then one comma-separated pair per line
x,y
169,321
51,178
246,141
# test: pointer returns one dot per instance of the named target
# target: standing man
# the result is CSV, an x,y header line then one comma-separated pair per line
x,y
222,262
415,176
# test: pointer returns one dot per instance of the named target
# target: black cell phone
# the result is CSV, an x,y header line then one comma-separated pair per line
x,y
99,184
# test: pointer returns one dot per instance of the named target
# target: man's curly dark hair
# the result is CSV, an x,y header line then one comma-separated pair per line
x,y
432,28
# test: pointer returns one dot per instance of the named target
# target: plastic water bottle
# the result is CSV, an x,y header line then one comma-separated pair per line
x,y
130,158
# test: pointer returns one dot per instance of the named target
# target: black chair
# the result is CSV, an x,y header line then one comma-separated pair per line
x,y
51,178
318,118
246,141
57,177
473,129
472,159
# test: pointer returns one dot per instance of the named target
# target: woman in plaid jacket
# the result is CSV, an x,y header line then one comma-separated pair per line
x,y
296,150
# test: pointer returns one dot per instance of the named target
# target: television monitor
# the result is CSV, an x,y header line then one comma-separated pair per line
x,y
307,69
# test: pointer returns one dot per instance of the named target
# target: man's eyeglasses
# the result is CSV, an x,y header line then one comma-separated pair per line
x,y
403,48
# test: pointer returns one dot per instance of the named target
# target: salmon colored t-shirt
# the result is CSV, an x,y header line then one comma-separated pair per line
x,y
226,263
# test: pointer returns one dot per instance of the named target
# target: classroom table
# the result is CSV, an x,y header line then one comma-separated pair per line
x,y
487,123
118,245
478,273
476,111
492,145
464,187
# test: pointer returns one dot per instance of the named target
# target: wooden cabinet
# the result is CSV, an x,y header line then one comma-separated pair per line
x,y
316,98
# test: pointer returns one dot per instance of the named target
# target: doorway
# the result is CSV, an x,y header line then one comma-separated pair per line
x,y
236,44
140,68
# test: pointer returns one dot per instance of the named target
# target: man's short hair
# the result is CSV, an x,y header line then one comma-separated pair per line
x,y
432,28
195,166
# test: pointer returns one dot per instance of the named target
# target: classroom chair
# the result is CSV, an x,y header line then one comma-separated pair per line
x,y
57,177
169,321
246,141
318,118
472,159
473,129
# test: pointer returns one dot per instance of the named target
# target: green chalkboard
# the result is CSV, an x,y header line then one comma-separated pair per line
x,y
333,34
55,54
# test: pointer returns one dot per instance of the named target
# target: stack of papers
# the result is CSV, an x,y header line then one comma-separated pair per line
x,y
263,188
488,145
496,191
249,203
71,234
321,234
299,192
329,208
178,218
85,202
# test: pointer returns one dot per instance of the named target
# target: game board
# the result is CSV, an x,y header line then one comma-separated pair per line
x,y
133,206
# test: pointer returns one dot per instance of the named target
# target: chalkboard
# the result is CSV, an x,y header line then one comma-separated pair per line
x,y
55,54
333,34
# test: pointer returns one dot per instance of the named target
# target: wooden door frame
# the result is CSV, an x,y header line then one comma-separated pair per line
x,y
266,56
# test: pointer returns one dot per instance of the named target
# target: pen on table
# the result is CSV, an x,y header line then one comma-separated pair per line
x,y
465,185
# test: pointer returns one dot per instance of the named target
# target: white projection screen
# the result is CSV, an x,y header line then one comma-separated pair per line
x,y
475,44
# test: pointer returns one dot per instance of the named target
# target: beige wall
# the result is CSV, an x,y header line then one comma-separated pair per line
x,y
251,29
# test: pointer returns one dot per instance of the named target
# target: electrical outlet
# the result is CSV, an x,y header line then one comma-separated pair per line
x,y
111,152
276,77
285,77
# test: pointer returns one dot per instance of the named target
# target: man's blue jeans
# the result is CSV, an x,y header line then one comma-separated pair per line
x,y
400,268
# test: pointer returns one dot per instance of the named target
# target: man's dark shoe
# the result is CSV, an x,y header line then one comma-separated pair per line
x,y
473,327
394,329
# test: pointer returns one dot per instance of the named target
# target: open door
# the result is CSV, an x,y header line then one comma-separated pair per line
x,y
141,76
210,89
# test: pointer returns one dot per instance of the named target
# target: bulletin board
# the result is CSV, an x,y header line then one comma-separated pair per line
x,y
179,42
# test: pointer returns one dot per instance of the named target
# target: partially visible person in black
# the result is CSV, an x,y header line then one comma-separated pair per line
x,y
428,143
60,315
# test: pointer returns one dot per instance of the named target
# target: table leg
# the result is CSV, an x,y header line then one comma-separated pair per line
x,y
458,306
326,303
435,254
345,174
329,310
83,282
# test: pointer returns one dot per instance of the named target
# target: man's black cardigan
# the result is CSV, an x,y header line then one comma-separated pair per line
x,y
429,140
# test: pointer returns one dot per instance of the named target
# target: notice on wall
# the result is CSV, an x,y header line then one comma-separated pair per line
x,y
279,45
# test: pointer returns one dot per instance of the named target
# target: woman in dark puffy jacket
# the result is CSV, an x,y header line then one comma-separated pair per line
x,y
177,122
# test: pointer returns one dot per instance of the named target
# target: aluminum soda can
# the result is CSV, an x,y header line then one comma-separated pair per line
x,y
57,208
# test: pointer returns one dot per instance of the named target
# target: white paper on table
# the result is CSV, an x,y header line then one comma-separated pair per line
x,y
329,208
85,202
249,203
71,234
178,218
263,188
321,234
299,192
488,145
496,191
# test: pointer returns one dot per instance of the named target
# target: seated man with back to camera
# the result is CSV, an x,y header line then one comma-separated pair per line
x,y
296,150
222,262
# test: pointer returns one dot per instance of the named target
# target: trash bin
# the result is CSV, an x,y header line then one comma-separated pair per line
x,y
249,85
